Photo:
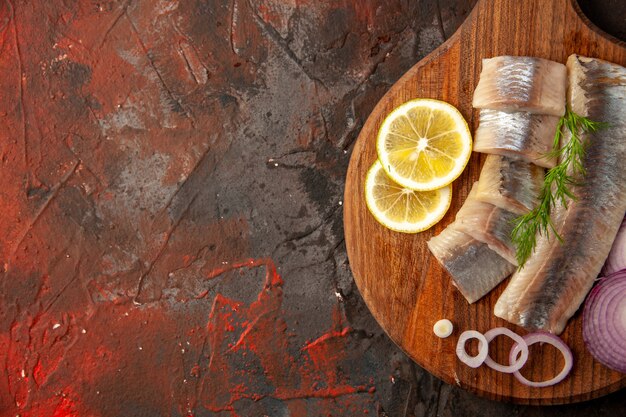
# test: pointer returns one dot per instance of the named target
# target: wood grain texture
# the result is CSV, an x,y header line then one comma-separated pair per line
x,y
402,283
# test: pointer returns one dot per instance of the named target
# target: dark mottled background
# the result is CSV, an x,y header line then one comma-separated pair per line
x,y
171,179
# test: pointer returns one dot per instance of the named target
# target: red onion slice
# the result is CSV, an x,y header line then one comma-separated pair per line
x,y
553,340
602,331
483,347
520,359
617,257
606,328
604,321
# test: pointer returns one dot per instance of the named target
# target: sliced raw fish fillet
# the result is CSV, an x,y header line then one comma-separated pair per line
x,y
555,279
487,223
518,83
509,183
520,135
474,267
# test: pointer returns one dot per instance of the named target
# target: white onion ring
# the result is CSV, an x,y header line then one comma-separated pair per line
x,y
520,358
553,340
483,348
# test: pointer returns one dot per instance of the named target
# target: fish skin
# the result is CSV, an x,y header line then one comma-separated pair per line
x,y
474,267
553,283
488,224
510,184
520,135
517,83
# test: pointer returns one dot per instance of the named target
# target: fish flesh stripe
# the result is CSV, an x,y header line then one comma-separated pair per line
x,y
518,135
474,267
510,184
517,83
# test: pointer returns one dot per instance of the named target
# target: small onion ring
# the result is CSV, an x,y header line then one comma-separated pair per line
x,y
553,340
443,328
520,358
483,347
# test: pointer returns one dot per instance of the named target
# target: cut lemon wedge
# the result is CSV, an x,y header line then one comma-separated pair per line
x,y
402,209
424,144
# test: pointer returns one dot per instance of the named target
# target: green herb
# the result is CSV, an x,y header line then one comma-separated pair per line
x,y
556,185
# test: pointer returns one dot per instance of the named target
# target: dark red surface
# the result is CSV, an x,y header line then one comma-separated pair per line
x,y
170,209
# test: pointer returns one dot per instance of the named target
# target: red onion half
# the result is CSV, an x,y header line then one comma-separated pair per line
x,y
617,257
544,337
604,321
483,347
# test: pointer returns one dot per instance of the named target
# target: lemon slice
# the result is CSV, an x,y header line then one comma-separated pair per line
x,y
400,208
424,144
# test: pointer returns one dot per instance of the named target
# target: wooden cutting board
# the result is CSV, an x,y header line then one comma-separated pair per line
x,y
402,283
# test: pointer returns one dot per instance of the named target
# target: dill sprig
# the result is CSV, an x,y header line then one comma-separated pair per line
x,y
557,184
